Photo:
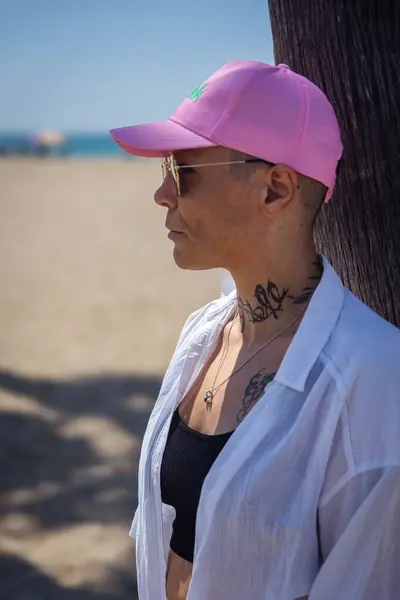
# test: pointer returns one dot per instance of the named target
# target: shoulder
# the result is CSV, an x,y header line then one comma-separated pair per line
x,y
363,344
365,350
201,318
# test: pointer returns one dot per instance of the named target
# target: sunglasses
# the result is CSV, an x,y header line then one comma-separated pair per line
x,y
169,165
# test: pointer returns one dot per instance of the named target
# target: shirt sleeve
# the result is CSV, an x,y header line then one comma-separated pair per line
x,y
133,528
359,531
191,323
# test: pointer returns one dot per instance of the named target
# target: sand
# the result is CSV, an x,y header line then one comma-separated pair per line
x,y
91,305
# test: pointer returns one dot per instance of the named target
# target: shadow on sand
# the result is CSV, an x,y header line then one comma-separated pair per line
x,y
54,471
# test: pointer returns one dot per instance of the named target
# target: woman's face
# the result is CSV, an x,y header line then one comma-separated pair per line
x,y
214,219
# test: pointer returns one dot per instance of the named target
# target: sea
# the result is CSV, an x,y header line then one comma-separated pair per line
x,y
76,144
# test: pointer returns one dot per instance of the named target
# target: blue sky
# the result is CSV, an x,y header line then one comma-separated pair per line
x,y
88,65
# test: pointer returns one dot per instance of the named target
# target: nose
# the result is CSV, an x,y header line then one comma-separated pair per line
x,y
166,194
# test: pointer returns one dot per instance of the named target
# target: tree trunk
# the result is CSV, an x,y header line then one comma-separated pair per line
x,y
351,50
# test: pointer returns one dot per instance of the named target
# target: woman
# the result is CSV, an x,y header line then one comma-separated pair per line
x,y
270,467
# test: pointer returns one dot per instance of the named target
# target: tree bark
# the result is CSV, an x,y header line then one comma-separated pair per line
x,y
351,50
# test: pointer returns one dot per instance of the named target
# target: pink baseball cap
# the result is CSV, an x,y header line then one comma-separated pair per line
x,y
269,112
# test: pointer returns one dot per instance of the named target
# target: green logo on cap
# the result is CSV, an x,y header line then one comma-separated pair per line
x,y
195,95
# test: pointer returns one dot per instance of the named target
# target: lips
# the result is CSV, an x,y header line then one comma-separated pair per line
x,y
172,229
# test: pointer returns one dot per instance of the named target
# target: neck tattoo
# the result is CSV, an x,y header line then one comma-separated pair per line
x,y
270,299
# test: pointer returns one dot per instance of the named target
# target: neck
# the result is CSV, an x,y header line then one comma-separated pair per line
x,y
271,295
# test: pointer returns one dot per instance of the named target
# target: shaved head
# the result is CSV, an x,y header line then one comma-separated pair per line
x,y
312,192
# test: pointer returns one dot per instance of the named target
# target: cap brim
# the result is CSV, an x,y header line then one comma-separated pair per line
x,y
155,140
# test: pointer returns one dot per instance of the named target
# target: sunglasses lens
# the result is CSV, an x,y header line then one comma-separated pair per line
x,y
174,171
172,167
168,165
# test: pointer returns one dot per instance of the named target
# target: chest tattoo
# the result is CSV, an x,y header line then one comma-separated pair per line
x,y
254,390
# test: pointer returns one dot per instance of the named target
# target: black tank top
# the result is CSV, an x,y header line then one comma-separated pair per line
x,y
188,457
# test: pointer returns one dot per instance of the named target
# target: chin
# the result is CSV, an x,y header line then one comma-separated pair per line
x,y
189,262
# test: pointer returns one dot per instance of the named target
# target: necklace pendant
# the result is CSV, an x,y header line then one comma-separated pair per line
x,y
208,398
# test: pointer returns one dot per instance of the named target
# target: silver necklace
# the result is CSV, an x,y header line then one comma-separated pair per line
x,y
210,393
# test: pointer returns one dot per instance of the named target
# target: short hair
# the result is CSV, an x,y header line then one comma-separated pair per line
x,y
236,169
313,192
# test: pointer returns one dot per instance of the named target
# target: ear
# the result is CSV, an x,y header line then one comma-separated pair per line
x,y
282,189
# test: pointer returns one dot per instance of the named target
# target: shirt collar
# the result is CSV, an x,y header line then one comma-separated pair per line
x,y
314,331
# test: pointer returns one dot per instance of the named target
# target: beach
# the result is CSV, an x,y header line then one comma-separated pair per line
x,y
91,306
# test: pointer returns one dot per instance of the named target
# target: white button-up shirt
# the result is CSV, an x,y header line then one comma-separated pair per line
x,y
304,499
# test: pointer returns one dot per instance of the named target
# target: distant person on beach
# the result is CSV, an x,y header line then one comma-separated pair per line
x,y
270,467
